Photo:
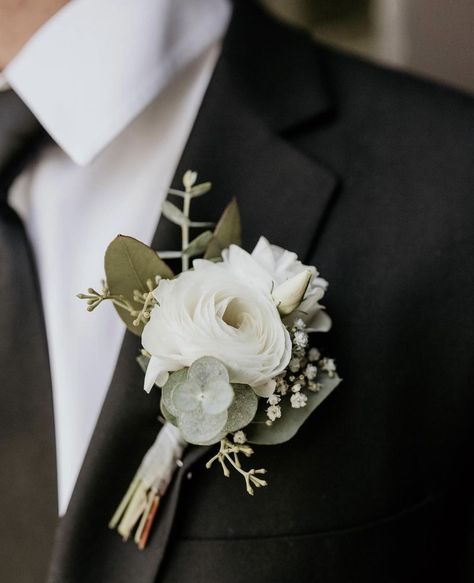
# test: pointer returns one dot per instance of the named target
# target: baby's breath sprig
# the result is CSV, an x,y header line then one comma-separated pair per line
x,y
229,454
301,374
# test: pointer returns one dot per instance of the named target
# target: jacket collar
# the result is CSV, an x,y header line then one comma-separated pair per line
x,y
236,142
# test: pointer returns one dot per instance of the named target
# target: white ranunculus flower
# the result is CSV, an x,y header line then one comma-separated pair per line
x,y
282,265
224,310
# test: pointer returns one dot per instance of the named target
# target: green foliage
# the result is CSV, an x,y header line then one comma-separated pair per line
x,y
198,245
204,405
243,408
291,420
174,380
174,214
129,266
228,231
199,398
200,189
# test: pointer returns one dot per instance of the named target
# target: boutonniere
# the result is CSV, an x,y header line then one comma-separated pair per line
x,y
226,342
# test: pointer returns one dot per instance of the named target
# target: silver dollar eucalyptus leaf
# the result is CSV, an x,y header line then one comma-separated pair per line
x,y
187,397
217,397
206,369
243,408
197,400
176,378
167,415
207,388
200,428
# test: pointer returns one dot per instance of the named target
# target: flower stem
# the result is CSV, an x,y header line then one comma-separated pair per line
x,y
185,231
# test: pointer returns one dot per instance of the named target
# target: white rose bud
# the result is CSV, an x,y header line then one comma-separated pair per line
x,y
282,265
289,295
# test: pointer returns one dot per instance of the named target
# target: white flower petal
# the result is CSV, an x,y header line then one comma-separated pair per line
x,y
289,294
215,311
282,265
154,372
265,389
320,322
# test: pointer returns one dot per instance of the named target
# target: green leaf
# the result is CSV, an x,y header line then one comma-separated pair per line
x,y
243,408
129,264
198,399
173,214
200,189
186,397
199,428
198,245
291,419
194,192
167,415
207,368
175,379
227,231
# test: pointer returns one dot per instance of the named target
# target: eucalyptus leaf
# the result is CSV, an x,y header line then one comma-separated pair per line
x,y
291,419
228,231
218,397
186,397
167,415
201,428
129,264
207,387
207,368
198,245
200,189
197,400
243,408
175,378
214,250
174,214
194,192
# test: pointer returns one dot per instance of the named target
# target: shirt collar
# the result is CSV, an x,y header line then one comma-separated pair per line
x,y
94,66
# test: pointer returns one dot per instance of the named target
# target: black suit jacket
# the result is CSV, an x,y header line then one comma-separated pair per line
x,y
367,174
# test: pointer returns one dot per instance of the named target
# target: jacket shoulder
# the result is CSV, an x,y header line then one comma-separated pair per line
x,y
364,88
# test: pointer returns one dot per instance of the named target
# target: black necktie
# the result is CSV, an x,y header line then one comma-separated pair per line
x,y
28,506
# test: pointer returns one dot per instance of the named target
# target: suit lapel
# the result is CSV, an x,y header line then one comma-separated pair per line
x,y
282,194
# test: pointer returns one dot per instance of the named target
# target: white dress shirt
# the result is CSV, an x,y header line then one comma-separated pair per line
x,y
117,84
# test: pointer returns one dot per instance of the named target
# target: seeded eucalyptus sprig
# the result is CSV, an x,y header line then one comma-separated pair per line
x,y
145,299
133,269
181,217
208,243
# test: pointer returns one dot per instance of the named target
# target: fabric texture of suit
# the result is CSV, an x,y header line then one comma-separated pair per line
x,y
367,174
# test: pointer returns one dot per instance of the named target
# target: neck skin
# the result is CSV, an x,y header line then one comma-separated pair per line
x,y
19,20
